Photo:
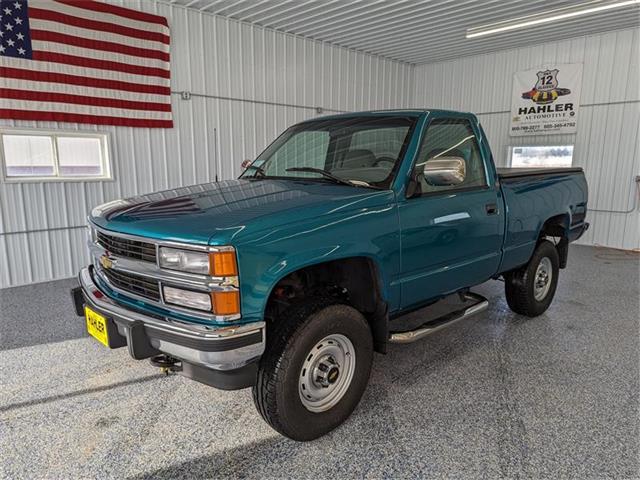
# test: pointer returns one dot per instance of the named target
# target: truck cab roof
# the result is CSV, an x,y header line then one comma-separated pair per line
x,y
411,112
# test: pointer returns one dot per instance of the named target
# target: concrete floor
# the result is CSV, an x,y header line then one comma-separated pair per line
x,y
498,395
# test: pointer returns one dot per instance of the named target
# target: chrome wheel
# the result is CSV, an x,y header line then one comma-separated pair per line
x,y
542,281
327,373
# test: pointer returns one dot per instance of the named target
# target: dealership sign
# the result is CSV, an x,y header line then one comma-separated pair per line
x,y
546,100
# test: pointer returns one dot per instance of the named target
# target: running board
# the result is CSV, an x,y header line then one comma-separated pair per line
x,y
480,304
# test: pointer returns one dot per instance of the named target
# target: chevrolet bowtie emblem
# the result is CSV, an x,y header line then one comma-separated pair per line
x,y
106,262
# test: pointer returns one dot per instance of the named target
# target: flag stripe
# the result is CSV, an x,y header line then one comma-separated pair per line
x,y
8,103
54,97
105,46
99,64
45,86
79,118
63,78
96,25
146,64
82,72
126,13
51,26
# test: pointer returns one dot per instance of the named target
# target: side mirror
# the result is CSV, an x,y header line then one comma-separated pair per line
x,y
444,171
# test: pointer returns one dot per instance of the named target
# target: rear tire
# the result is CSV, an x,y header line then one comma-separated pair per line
x,y
530,289
315,368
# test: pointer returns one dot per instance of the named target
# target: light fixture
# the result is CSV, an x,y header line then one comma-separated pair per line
x,y
187,298
544,17
220,263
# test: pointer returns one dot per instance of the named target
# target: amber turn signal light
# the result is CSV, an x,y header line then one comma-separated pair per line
x,y
223,264
226,303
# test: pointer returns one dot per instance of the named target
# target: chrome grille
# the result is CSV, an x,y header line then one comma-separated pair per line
x,y
125,247
136,284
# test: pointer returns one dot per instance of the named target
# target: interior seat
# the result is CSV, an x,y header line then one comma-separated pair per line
x,y
359,158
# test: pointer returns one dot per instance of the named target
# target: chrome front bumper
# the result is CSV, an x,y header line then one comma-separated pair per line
x,y
213,348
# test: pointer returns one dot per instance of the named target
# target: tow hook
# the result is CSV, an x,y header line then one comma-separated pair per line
x,y
166,363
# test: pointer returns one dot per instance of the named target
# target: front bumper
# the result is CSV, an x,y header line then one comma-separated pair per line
x,y
224,357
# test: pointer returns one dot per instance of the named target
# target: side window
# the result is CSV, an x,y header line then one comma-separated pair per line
x,y
304,149
452,138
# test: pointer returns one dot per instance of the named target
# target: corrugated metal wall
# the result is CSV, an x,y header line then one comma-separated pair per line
x,y
268,78
210,56
607,141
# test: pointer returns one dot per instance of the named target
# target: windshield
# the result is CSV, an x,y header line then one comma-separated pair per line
x,y
362,151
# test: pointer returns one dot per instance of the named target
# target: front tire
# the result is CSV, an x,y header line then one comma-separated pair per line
x,y
530,289
314,370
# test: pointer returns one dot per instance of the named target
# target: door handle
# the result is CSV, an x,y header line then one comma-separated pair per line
x,y
491,208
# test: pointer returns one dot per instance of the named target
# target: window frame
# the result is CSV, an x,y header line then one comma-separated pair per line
x,y
453,189
105,144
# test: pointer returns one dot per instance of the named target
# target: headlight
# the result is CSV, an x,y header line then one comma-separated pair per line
x,y
220,303
187,298
219,264
184,260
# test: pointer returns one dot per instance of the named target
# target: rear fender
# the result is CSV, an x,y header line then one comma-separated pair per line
x,y
558,226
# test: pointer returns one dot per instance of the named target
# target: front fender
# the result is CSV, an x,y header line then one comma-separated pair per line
x,y
266,258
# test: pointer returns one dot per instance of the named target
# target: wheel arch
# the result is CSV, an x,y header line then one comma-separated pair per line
x,y
362,278
558,226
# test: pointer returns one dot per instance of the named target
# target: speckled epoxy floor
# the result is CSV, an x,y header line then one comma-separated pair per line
x,y
495,396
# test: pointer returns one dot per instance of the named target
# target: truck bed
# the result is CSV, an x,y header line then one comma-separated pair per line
x,y
533,196
507,173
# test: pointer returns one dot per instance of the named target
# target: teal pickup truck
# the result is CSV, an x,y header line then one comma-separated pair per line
x,y
289,278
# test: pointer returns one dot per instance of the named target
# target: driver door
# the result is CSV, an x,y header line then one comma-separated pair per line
x,y
450,235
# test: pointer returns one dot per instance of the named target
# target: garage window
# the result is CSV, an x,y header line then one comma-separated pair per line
x,y
541,156
34,155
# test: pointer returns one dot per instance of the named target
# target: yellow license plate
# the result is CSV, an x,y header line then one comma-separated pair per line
x,y
97,326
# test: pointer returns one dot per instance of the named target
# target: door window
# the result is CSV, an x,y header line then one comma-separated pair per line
x,y
452,138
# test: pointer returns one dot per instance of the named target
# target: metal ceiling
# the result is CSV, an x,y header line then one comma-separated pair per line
x,y
417,31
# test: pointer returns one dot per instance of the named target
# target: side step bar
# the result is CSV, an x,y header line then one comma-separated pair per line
x,y
480,304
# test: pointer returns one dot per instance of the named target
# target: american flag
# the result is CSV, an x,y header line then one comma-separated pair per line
x,y
83,61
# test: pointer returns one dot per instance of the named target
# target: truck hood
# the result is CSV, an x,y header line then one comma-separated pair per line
x,y
223,212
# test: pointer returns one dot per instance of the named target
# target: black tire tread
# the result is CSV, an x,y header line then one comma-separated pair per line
x,y
272,361
518,282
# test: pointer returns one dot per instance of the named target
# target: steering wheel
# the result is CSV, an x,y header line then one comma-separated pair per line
x,y
384,159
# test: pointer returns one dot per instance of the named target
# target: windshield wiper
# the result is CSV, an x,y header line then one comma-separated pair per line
x,y
259,170
326,174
